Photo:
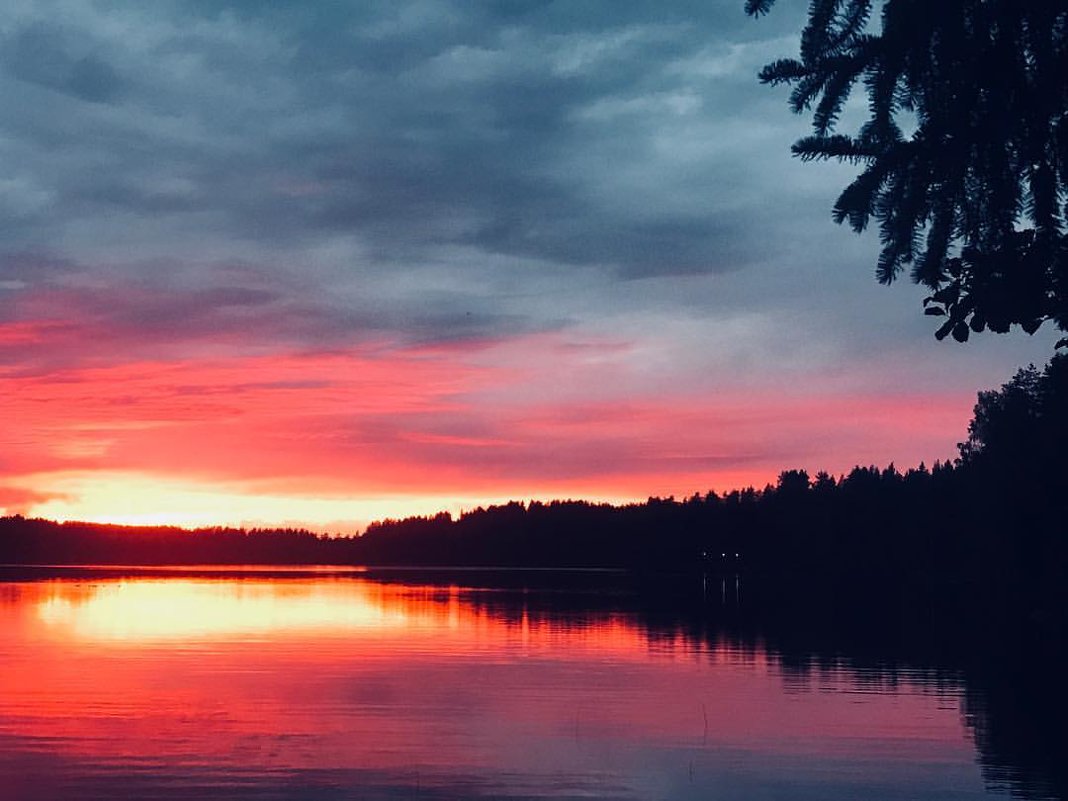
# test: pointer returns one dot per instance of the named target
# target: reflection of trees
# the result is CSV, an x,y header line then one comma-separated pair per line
x,y
1007,674
1016,707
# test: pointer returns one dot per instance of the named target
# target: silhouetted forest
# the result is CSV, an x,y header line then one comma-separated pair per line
x,y
990,525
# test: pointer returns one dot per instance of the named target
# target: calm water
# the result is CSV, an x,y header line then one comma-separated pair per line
x,y
327,686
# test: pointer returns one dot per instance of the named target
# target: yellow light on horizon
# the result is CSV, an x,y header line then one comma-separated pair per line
x,y
127,498
137,499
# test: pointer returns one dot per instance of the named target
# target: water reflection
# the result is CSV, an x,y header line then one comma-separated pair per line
x,y
150,610
321,687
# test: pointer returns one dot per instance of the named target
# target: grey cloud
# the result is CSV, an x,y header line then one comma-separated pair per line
x,y
410,126
97,315
357,154
59,60
34,265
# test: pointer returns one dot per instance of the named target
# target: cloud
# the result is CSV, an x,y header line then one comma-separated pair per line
x,y
409,127
57,59
57,314
19,500
480,419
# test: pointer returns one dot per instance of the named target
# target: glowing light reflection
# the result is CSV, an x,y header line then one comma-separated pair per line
x,y
144,611
177,609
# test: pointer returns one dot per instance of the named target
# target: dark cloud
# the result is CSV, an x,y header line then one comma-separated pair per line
x,y
422,171
408,126
73,314
34,265
54,58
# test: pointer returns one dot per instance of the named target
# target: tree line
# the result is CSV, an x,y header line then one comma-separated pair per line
x,y
992,519
796,521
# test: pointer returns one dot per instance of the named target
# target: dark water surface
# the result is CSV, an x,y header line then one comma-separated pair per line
x,y
185,684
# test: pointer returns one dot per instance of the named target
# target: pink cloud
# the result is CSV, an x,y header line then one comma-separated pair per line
x,y
523,416
18,500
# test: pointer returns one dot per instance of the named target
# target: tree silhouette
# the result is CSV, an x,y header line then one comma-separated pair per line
x,y
964,152
1021,429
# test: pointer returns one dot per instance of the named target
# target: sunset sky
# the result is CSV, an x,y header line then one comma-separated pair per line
x,y
327,262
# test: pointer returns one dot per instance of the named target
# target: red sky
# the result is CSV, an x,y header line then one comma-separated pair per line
x,y
336,438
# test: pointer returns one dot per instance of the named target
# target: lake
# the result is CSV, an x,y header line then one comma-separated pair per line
x,y
257,684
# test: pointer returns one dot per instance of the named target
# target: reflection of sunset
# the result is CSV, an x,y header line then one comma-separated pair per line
x,y
295,674
148,610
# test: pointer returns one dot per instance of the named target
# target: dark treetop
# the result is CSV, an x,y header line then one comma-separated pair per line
x,y
964,149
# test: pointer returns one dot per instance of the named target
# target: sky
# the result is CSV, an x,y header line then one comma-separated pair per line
x,y
323,263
